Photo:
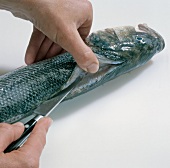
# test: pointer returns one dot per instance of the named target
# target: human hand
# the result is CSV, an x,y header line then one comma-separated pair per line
x,y
59,24
28,155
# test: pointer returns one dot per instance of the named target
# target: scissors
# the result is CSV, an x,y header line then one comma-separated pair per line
x,y
41,111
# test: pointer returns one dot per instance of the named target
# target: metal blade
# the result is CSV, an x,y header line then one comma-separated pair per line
x,y
47,107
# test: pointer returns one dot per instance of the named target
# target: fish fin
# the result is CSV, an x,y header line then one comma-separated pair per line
x,y
104,60
76,73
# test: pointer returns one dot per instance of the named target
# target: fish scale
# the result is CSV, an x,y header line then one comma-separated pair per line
x,y
24,89
119,50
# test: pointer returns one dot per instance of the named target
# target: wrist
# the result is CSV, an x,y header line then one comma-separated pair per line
x,y
9,5
18,8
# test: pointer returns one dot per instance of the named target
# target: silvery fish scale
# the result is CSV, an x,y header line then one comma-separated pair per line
x,y
119,50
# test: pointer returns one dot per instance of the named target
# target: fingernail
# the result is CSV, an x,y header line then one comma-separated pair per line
x,y
50,121
18,124
93,68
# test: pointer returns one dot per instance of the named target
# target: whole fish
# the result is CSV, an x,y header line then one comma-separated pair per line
x,y
119,50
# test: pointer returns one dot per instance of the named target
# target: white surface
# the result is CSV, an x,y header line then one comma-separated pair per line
x,y
124,123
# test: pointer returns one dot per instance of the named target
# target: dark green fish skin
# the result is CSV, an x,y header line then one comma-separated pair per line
x,y
119,50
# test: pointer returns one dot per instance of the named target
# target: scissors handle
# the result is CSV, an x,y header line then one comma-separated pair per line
x,y
28,128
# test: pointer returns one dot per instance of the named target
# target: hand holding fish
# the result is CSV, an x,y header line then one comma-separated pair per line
x,y
28,155
58,25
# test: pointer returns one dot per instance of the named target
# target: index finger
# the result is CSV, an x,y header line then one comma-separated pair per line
x,y
37,139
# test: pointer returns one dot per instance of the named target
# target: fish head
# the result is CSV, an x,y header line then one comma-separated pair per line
x,y
119,50
126,45
153,38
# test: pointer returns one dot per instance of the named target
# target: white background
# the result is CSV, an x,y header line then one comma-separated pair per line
x,y
123,124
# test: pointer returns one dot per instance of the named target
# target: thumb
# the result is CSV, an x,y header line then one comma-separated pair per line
x,y
9,133
37,139
70,40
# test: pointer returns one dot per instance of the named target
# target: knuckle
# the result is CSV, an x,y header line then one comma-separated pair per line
x,y
88,62
83,64
89,5
6,127
60,31
62,34
41,135
43,138
86,58
43,141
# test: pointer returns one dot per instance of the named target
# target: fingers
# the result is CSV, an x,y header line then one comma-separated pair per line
x,y
28,155
36,141
40,47
71,41
71,23
54,50
43,50
34,45
9,133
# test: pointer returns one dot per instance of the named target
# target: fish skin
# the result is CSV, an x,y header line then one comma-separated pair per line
x,y
119,50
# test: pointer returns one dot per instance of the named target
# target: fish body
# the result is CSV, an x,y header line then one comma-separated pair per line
x,y
119,50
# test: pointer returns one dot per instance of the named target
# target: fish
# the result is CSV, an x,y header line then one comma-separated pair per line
x,y
119,50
